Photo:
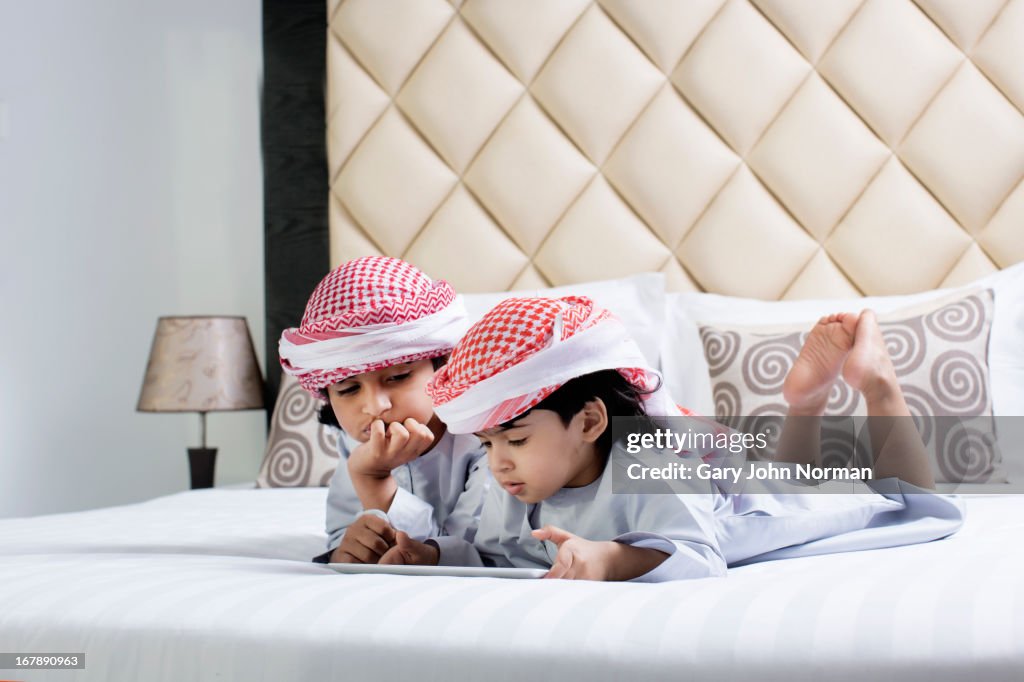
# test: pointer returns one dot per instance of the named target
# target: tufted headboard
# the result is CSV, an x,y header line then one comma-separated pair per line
x,y
761,148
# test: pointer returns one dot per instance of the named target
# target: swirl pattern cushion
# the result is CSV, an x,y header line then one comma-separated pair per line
x,y
939,351
300,451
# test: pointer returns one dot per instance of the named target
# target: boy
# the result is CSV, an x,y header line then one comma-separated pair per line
x,y
538,381
374,332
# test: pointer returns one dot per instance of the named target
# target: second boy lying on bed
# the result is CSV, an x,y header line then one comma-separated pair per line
x,y
538,380
373,333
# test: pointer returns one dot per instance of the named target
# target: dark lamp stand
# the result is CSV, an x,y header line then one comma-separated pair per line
x,y
201,460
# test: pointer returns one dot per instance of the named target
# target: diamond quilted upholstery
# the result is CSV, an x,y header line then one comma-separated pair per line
x,y
760,148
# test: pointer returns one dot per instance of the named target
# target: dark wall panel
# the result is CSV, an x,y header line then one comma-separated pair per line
x,y
295,183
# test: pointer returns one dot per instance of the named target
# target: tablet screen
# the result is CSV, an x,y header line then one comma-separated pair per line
x,y
454,571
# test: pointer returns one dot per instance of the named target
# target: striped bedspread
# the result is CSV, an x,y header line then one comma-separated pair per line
x,y
216,585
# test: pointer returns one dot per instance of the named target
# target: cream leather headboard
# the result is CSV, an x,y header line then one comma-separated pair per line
x,y
764,148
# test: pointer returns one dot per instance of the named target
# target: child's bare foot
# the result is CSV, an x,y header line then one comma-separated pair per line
x,y
817,367
895,442
868,367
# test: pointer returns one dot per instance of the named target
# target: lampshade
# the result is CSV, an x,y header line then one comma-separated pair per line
x,y
201,364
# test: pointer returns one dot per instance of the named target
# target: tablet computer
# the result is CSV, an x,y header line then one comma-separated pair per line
x,y
453,571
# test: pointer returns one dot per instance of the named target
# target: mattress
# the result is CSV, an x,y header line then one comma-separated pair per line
x,y
216,584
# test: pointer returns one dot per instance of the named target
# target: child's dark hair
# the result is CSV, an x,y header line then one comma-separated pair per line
x,y
620,398
325,415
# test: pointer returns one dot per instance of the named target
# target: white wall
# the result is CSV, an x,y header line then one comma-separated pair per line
x,y
130,187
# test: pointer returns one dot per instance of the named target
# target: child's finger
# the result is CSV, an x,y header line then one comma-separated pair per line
x,y
373,542
377,433
402,539
411,424
380,527
420,438
364,554
348,558
413,445
419,431
359,542
388,534
397,437
393,557
565,561
559,569
342,557
374,522
556,534
408,547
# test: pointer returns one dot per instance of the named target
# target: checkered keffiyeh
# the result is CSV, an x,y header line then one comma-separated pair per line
x,y
523,350
368,314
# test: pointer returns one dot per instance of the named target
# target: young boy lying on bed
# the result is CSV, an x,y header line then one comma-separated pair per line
x,y
373,334
538,381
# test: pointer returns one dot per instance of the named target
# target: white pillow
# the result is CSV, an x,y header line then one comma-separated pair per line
x,y
686,370
639,301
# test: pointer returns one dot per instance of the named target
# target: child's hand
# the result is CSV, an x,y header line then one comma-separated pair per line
x,y
389,448
365,541
577,558
580,559
411,552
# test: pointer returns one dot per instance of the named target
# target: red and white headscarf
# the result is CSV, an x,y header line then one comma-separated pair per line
x,y
368,314
524,349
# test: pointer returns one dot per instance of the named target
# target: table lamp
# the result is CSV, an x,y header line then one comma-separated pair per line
x,y
201,364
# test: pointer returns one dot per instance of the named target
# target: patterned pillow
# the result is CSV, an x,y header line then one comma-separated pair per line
x,y
300,451
940,353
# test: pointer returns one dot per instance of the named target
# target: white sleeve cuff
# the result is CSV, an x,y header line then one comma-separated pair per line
x,y
686,560
412,515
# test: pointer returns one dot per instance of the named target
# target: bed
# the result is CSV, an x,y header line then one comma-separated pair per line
x,y
216,585
874,156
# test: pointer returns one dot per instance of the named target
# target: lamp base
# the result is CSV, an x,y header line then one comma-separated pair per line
x,y
200,463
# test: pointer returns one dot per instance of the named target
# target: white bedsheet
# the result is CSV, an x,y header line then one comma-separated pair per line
x,y
216,585
272,523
